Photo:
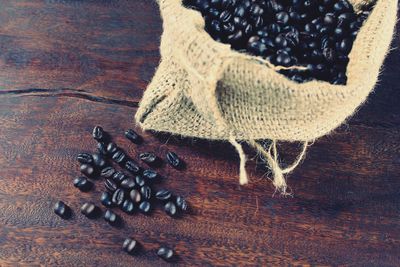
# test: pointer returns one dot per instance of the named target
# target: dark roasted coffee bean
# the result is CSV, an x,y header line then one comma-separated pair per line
x,y
170,208
128,183
330,19
239,11
150,175
165,253
181,203
329,54
228,28
107,172
62,210
118,177
98,133
225,16
130,246
133,136
82,183
89,210
139,180
280,41
110,217
99,161
173,159
128,206
135,196
87,169
145,207
213,12
345,46
118,197
274,28
111,148
132,166
163,194
101,147
119,156
202,5
110,185
257,48
85,158
283,59
106,199
148,157
282,17
145,191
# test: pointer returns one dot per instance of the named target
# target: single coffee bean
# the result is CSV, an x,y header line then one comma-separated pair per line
x,y
118,177
139,180
133,136
118,197
87,169
135,196
128,206
119,156
111,148
107,172
128,183
130,246
62,210
110,217
101,147
282,17
145,207
181,203
98,133
132,166
110,185
170,208
82,183
345,45
163,194
173,159
85,158
145,191
106,199
165,253
148,157
150,175
89,210
98,160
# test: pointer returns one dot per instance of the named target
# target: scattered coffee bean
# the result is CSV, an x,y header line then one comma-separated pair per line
x,y
62,210
132,167
98,133
118,197
165,253
128,206
173,159
89,210
87,169
119,156
128,183
110,217
163,194
170,208
139,181
85,158
118,177
110,185
135,196
133,136
145,207
148,157
181,203
150,175
107,172
130,246
101,147
106,199
99,161
111,148
82,183
145,191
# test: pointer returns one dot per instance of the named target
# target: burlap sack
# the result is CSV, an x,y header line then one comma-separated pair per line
x,y
205,89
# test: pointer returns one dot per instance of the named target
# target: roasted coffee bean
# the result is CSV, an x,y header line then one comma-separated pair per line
x,y
145,191
110,217
119,156
98,133
85,158
170,208
130,246
173,159
107,172
128,206
99,161
150,175
118,197
101,147
148,157
128,183
139,180
89,210
145,207
87,169
111,148
118,177
165,253
282,17
82,183
132,166
106,199
135,196
345,46
110,185
62,210
133,136
181,203
163,194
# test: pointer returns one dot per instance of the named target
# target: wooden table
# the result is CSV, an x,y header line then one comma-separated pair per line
x,y
67,65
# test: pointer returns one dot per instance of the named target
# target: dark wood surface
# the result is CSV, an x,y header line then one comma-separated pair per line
x,y
67,65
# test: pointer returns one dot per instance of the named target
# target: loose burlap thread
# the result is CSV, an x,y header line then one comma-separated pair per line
x,y
205,89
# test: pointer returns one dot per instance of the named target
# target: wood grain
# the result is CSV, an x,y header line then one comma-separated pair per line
x,y
67,65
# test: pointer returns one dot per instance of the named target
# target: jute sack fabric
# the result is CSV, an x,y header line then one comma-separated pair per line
x,y
205,89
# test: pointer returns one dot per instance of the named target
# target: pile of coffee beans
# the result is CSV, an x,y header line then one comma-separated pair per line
x,y
315,34
131,191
